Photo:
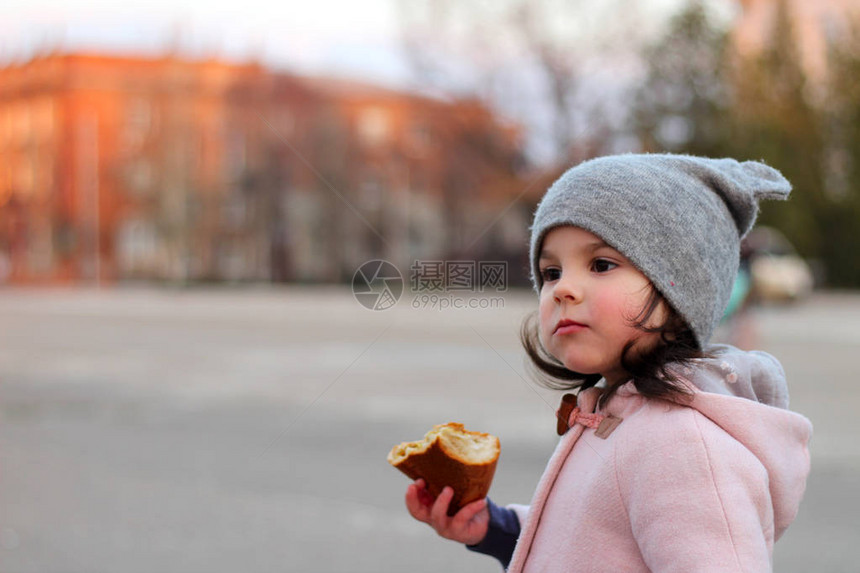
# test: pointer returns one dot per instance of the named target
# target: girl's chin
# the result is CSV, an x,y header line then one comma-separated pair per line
x,y
579,362
580,367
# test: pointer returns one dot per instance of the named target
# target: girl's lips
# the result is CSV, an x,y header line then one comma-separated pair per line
x,y
569,327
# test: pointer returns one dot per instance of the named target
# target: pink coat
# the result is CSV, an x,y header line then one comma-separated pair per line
x,y
708,486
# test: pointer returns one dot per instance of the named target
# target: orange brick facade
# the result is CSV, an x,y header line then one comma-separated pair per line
x,y
119,168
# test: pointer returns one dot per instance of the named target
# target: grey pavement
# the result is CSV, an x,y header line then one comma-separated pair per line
x,y
246,429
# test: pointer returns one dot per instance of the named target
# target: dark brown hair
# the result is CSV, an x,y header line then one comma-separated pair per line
x,y
649,370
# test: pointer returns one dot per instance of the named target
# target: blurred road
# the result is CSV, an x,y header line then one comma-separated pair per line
x,y
246,430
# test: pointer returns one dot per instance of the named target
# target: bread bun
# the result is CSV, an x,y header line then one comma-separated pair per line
x,y
450,455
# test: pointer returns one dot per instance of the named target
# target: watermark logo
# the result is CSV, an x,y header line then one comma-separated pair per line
x,y
377,285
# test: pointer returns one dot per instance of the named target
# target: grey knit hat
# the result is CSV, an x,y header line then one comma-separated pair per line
x,y
679,219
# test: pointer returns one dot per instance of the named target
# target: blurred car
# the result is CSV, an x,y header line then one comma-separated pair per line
x,y
778,273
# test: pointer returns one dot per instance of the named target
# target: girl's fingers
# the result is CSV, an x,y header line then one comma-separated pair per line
x,y
439,511
416,508
469,511
423,495
411,497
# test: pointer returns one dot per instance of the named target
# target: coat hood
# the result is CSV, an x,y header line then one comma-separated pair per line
x,y
745,393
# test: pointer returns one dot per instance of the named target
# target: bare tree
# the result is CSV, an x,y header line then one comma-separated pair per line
x,y
534,60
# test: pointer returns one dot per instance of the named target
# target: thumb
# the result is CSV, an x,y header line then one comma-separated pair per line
x,y
469,511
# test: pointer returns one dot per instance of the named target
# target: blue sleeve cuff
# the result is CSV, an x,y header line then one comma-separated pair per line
x,y
502,534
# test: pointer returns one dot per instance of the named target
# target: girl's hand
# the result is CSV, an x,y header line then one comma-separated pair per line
x,y
468,526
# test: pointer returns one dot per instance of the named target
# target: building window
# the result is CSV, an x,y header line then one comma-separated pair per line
x,y
373,126
420,138
138,123
137,247
138,175
43,120
20,125
236,160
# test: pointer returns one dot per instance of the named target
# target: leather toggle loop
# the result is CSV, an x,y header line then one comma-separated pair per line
x,y
568,403
569,414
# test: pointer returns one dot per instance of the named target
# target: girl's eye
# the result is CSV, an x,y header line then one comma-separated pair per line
x,y
550,274
602,265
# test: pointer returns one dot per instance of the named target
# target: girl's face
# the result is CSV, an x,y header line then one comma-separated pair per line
x,y
590,298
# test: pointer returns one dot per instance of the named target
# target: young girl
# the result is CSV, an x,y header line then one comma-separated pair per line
x,y
679,455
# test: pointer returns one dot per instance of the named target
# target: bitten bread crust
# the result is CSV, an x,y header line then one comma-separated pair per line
x,y
439,466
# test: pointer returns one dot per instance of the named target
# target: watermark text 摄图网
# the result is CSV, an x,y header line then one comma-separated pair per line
x,y
460,276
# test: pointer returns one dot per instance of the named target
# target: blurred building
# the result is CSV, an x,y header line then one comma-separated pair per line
x,y
109,163
119,168
398,175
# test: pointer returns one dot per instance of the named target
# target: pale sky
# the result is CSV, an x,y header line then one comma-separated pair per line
x,y
311,35
357,38
354,37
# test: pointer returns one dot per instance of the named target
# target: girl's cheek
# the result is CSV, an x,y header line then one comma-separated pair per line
x,y
545,313
542,333
603,305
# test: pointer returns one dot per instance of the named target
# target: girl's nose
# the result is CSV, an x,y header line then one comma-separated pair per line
x,y
568,288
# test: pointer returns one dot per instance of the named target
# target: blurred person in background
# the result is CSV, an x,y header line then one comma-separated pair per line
x,y
770,271
738,325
